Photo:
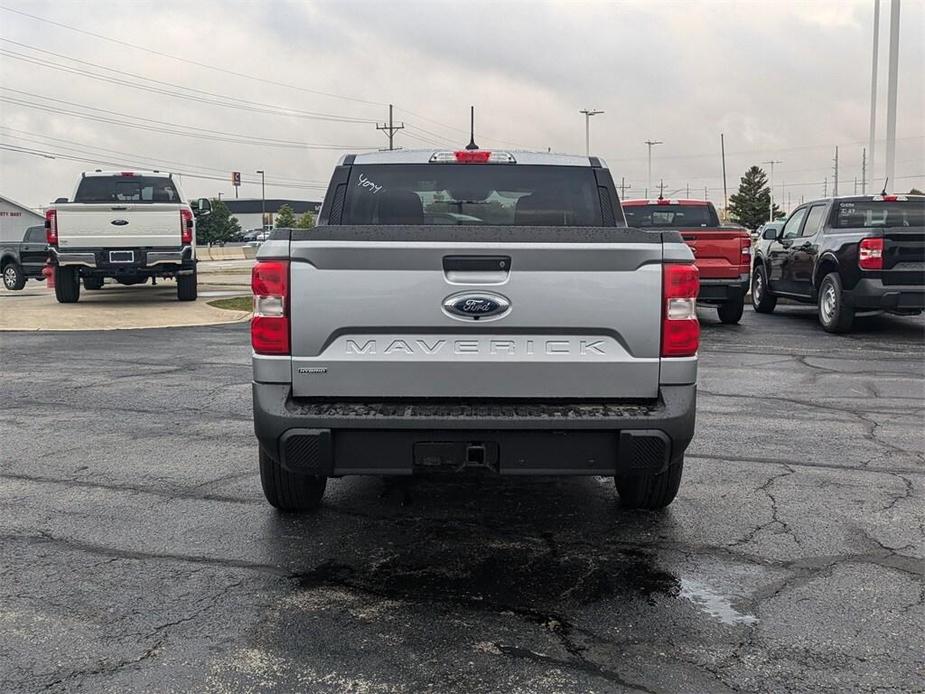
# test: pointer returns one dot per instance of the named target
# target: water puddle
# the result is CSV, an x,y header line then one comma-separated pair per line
x,y
714,604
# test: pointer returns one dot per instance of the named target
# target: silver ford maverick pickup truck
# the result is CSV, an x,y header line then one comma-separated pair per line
x,y
474,309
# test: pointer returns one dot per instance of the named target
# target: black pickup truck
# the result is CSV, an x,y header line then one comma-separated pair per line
x,y
847,254
23,260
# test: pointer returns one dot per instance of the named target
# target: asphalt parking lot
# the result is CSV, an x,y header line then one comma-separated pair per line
x,y
139,554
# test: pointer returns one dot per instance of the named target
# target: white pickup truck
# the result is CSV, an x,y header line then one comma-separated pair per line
x,y
126,225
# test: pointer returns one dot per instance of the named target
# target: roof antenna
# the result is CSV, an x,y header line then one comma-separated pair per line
x,y
472,144
887,180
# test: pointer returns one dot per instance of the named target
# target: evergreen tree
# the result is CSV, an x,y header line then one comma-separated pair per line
x,y
285,217
219,226
306,221
749,206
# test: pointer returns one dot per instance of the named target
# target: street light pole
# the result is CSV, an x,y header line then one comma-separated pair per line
x,y
651,144
588,113
263,200
771,189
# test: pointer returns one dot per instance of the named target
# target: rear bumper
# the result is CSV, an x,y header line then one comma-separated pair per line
x,y
515,438
722,290
154,259
870,294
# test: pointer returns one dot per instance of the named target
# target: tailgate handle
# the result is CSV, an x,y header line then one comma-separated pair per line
x,y
476,269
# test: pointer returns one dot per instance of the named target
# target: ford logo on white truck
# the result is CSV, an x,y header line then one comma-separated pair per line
x,y
475,306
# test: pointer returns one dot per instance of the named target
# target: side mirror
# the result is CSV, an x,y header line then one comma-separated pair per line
x,y
770,234
202,207
59,201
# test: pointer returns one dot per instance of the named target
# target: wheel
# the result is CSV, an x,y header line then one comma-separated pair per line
x,y
731,311
647,490
67,285
288,491
93,283
186,287
14,278
763,301
834,315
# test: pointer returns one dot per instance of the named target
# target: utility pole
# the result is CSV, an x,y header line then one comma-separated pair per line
x,y
771,189
873,94
390,128
825,187
707,197
855,185
651,144
623,187
263,199
661,188
892,79
863,171
722,146
219,196
588,113
835,182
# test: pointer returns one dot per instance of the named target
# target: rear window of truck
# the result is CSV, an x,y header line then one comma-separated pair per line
x,y
472,194
126,189
869,214
670,216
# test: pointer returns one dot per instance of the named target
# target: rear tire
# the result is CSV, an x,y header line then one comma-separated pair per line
x,y
14,278
648,490
731,312
92,283
67,285
187,287
763,301
287,491
834,315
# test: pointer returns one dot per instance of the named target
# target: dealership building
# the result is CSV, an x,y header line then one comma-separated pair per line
x,y
16,218
248,210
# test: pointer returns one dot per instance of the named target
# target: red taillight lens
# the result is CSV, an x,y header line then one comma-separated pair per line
x,y
270,324
746,248
186,225
51,227
472,156
680,327
870,254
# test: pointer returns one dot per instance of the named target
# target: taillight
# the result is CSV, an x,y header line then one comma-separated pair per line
x,y
746,249
186,225
270,324
680,327
870,254
51,227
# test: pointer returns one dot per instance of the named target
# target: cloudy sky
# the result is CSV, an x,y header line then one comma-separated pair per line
x,y
206,88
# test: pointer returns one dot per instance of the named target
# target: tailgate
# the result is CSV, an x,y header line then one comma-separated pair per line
x,y
95,225
372,312
718,253
904,255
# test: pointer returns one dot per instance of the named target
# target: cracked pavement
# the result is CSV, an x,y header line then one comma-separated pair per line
x,y
138,553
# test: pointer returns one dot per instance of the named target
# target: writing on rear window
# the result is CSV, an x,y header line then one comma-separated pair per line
x,y
527,195
869,214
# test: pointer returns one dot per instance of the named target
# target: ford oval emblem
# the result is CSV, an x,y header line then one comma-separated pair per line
x,y
119,222
474,306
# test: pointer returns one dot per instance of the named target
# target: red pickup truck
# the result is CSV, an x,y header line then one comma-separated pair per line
x,y
723,254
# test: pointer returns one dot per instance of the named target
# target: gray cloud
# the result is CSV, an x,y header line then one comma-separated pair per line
x,y
783,80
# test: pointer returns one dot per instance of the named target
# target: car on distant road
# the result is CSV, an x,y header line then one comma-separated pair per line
x,y
25,260
846,254
473,311
131,226
722,252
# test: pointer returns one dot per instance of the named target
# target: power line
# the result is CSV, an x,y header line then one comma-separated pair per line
x,y
163,126
169,87
189,61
